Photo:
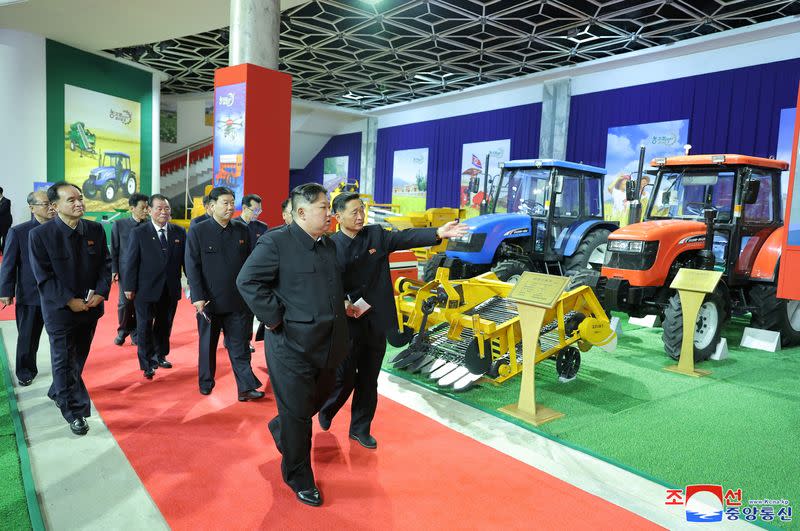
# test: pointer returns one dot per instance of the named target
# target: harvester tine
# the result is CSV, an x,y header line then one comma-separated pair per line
x,y
403,353
417,367
437,364
466,382
453,376
409,360
444,369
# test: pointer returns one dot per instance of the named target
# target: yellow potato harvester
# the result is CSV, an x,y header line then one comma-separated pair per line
x,y
433,217
462,330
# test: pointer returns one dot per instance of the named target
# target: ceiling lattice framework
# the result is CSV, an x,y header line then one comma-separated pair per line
x,y
364,55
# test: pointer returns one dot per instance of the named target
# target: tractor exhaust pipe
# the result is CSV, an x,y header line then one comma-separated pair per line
x,y
635,203
707,254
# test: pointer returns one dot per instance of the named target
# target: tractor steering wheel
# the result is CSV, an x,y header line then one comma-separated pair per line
x,y
696,208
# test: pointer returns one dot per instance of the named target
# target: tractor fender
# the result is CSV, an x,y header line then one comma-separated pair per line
x,y
571,237
765,266
497,228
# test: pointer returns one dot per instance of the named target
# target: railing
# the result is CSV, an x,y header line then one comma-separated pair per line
x,y
183,158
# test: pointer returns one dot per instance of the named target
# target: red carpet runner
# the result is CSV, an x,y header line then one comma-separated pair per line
x,y
209,462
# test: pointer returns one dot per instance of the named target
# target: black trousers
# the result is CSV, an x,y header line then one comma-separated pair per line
x,y
234,326
29,330
153,328
299,393
358,374
3,233
126,313
70,342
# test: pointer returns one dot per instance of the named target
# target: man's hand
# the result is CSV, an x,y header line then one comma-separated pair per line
x,y
452,229
130,295
78,305
114,277
95,300
199,305
6,301
349,309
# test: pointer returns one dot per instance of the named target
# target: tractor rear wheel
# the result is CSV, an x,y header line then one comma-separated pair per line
x,y
590,253
130,186
707,331
772,313
510,270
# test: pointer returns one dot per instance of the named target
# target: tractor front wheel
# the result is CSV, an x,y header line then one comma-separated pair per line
x,y
707,330
510,270
772,313
89,189
109,192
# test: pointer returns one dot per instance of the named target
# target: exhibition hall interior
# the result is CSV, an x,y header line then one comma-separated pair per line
x,y
526,264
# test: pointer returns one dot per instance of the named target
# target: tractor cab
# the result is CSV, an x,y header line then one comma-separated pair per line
x,y
544,215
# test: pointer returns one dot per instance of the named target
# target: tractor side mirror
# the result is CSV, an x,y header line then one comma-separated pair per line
x,y
475,186
750,192
630,190
558,184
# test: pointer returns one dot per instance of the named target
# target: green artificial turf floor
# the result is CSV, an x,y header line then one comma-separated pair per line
x,y
738,427
13,505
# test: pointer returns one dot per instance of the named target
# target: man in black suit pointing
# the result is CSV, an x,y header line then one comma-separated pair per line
x,y
292,284
152,280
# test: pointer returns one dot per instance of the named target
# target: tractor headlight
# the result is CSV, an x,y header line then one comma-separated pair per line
x,y
465,239
626,246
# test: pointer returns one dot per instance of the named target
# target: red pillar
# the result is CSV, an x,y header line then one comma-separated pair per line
x,y
252,115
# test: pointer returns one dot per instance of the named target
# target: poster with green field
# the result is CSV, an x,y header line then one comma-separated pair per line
x,y
410,180
102,149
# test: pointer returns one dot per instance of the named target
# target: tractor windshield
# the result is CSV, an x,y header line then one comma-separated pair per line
x,y
685,194
524,190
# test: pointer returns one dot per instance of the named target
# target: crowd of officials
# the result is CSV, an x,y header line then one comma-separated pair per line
x,y
308,289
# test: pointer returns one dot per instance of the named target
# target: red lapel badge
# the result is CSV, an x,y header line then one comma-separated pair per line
x,y
372,251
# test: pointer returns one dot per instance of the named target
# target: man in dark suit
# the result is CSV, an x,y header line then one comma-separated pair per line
x,y
363,254
152,280
5,218
16,278
202,217
251,209
292,284
120,230
72,266
286,211
215,252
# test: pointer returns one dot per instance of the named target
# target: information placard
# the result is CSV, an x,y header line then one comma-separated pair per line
x,y
539,289
697,280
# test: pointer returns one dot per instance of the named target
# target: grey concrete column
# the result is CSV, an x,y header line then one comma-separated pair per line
x,y
255,32
555,119
369,141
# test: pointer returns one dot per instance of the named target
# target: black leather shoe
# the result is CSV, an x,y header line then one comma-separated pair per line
x,y
251,395
205,391
25,382
79,426
162,362
310,497
149,373
367,441
252,348
120,339
324,421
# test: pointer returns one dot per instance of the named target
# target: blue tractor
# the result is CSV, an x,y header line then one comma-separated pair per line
x,y
114,173
544,215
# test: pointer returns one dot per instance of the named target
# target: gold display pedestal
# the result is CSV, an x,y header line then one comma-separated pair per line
x,y
534,294
693,285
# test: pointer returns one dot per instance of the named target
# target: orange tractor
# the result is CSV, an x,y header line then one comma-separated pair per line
x,y
720,212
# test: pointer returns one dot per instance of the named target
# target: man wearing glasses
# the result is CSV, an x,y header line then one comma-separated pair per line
x,y
152,280
16,279
251,209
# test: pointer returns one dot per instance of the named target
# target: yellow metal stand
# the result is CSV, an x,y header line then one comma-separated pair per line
x,y
534,294
693,285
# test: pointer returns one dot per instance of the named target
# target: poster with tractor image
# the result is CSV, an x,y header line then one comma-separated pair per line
x,y
102,147
475,176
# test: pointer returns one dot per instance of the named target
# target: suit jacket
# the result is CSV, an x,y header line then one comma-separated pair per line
x,y
198,219
147,268
68,263
120,231
365,261
214,256
256,229
16,275
293,285
5,212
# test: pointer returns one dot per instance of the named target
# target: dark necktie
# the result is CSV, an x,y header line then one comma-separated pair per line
x,y
163,238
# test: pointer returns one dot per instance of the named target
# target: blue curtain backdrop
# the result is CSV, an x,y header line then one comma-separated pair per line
x,y
444,139
733,111
338,146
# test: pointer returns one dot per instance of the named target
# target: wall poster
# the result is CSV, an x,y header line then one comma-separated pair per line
x,y
410,180
334,172
473,160
102,147
168,132
660,139
229,107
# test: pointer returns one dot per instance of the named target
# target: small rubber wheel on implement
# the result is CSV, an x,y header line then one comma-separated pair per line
x,y
568,361
499,368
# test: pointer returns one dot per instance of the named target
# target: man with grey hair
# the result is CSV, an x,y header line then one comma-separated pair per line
x,y
17,280
293,285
